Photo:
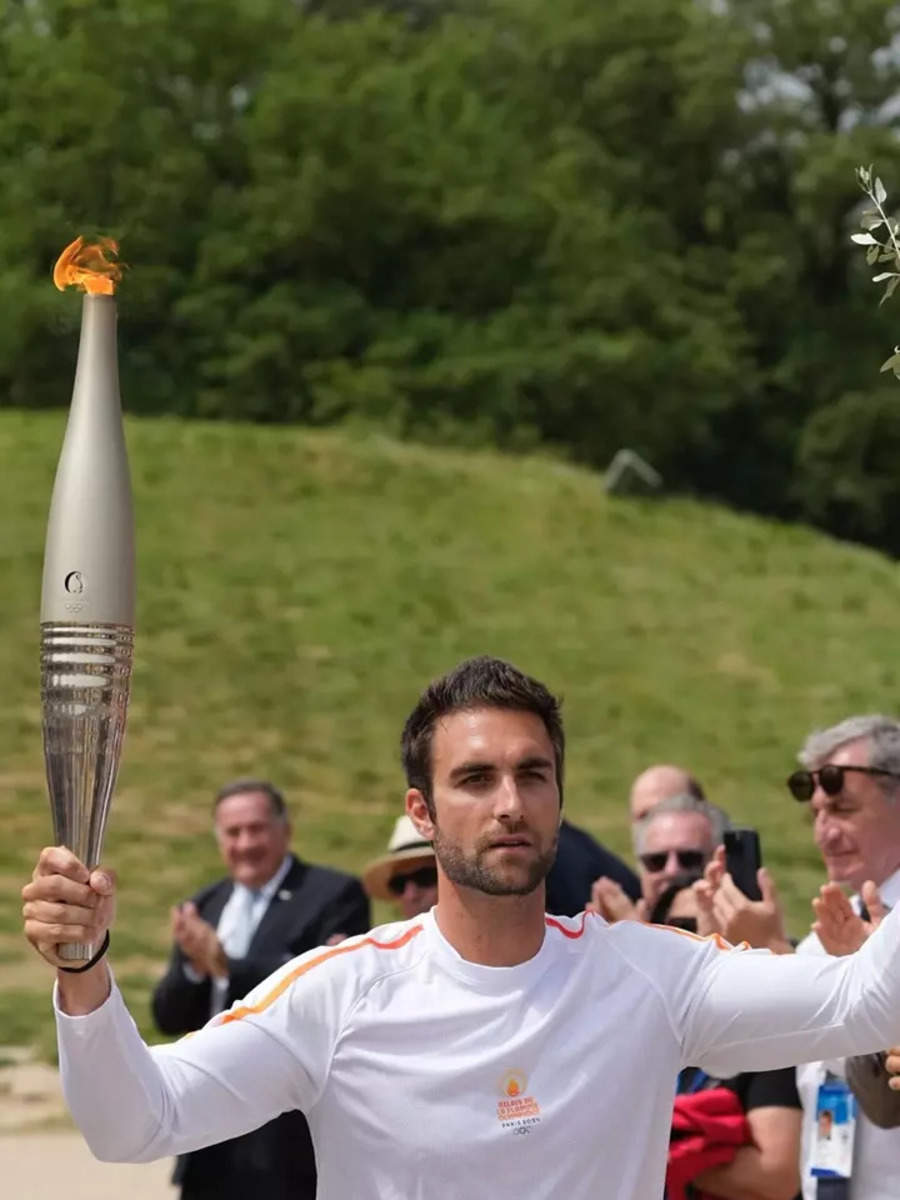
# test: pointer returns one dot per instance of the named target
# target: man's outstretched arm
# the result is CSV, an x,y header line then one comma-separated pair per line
x,y
751,1011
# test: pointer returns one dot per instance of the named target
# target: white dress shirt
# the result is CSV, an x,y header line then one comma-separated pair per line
x,y
876,1152
244,910
240,918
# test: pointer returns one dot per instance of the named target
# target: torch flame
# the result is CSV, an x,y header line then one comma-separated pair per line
x,y
87,266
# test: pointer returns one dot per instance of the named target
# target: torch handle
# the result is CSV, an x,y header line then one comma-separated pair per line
x,y
85,675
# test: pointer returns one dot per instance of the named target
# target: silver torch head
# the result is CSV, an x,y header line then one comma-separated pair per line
x,y
87,597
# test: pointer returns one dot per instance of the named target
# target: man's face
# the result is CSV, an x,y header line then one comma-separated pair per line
x,y
496,800
252,839
857,831
668,835
418,894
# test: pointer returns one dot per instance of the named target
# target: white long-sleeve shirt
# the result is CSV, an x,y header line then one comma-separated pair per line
x,y
425,1076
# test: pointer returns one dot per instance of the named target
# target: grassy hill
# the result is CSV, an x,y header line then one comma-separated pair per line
x,y
298,588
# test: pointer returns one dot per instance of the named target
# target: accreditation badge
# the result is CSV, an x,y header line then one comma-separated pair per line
x,y
832,1153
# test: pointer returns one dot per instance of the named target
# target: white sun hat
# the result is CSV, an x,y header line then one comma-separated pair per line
x,y
407,850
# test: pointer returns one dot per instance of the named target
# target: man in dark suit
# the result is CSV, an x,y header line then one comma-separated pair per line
x,y
580,859
231,936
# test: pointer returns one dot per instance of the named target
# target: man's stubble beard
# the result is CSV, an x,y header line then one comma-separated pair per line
x,y
471,871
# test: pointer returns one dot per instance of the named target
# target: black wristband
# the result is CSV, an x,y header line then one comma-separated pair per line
x,y
104,946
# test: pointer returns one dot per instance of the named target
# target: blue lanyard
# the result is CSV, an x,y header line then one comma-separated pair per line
x,y
696,1084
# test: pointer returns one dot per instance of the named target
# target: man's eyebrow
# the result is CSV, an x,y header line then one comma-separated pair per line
x,y
475,766
534,760
471,767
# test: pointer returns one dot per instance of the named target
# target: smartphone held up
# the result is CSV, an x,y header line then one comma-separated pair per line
x,y
743,858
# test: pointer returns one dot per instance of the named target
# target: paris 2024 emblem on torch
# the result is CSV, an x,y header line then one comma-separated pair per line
x,y
87,596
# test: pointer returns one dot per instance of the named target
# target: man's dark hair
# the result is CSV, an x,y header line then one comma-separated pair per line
x,y
238,787
659,913
476,683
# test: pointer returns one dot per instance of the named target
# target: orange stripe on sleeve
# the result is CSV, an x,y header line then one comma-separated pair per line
x,y
716,938
237,1014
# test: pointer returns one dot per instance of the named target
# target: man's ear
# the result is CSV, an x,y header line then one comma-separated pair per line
x,y
417,811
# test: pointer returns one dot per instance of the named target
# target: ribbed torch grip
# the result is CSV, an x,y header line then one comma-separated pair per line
x,y
85,678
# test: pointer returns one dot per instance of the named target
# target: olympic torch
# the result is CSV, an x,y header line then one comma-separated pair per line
x,y
87,597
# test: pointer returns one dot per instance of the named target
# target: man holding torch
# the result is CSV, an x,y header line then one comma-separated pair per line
x,y
483,1048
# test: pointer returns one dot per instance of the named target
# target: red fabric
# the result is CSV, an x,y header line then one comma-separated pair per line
x,y
707,1128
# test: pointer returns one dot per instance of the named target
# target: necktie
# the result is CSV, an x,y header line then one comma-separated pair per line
x,y
235,932
241,926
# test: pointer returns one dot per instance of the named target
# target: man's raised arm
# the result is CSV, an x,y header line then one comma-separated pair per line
x,y
134,1103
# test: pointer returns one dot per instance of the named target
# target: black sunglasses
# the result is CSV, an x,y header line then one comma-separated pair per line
x,y
425,877
688,860
830,778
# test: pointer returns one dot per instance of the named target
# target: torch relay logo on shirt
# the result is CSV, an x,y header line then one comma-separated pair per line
x,y
516,1111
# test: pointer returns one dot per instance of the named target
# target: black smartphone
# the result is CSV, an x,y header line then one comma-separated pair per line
x,y
743,858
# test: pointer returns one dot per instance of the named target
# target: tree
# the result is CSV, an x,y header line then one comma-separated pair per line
x,y
820,79
573,225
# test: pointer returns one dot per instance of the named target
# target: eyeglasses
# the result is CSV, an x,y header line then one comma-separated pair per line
x,y
830,778
688,860
425,877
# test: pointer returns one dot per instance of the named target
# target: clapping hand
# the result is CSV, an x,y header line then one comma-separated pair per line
x,y
198,941
892,1063
839,928
610,901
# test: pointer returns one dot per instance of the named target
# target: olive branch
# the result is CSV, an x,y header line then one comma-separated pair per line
x,y
880,252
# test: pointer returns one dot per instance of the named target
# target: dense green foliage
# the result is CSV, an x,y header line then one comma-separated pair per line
x,y
297,588
578,225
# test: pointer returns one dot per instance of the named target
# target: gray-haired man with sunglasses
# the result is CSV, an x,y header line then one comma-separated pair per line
x,y
851,780
678,834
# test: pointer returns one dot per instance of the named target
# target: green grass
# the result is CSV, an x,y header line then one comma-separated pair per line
x,y
298,588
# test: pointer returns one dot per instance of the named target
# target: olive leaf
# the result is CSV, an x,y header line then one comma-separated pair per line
x,y
878,251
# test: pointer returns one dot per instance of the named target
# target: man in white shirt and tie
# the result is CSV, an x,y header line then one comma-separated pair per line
x,y
270,908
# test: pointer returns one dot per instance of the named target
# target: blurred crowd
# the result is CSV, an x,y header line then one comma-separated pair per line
x,y
823,1131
